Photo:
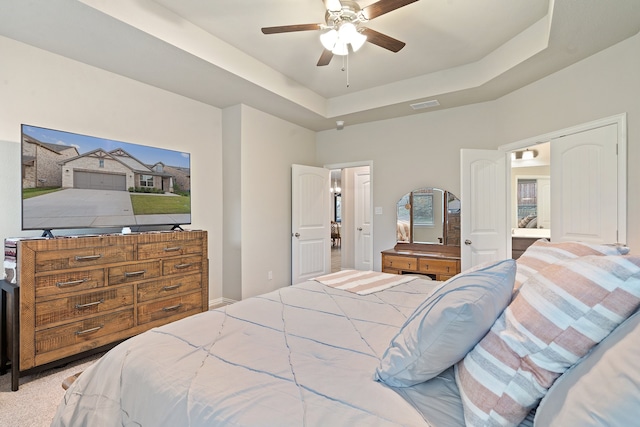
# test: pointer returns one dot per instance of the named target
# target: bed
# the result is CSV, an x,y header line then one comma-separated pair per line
x,y
306,355
302,355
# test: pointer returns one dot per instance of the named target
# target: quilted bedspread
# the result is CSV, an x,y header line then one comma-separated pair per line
x,y
303,355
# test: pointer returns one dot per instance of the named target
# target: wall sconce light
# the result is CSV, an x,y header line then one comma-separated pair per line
x,y
524,154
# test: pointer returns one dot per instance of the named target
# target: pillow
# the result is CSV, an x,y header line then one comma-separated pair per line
x,y
558,315
447,324
543,253
602,390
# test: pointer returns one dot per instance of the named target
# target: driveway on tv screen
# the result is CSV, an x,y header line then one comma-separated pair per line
x,y
80,208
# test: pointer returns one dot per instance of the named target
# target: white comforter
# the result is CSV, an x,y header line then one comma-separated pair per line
x,y
300,356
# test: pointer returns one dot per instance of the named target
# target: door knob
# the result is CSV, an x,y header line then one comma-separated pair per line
x,y
467,242
359,228
296,235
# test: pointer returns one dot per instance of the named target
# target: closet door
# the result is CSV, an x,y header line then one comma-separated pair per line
x,y
584,176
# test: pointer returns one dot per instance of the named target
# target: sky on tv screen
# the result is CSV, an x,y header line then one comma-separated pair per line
x,y
84,144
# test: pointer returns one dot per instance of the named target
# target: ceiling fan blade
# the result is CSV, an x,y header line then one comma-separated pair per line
x,y
384,6
290,28
325,58
383,40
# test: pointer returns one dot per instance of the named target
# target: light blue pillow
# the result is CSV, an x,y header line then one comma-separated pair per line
x,y
447,325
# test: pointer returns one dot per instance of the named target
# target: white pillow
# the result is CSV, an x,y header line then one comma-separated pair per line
x,y
603,389
447,324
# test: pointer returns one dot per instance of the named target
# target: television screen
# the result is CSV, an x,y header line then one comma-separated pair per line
x,y
79,181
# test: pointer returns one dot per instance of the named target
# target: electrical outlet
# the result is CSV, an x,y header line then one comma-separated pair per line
x,y
270,275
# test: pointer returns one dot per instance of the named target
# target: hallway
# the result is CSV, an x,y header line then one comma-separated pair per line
x,y
336,259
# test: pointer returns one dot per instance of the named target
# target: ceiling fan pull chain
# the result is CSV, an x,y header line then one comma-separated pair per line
x,y
345,66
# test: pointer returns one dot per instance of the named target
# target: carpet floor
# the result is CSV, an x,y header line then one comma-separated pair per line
x,y
36,401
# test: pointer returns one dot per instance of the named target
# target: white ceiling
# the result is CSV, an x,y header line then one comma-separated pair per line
x,y
458,51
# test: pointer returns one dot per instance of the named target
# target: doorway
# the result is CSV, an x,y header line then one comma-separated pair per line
x,y
584,206
354,207
336,220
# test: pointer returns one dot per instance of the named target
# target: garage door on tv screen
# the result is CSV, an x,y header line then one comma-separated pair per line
x,y
79,181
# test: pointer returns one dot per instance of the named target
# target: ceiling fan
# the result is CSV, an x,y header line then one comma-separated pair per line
x,y
344,21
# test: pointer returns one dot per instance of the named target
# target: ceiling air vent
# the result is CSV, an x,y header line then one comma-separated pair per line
x,y
425,104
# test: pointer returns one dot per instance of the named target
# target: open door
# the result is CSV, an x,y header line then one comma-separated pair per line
x,y
362,214
584,194
483,207
310,222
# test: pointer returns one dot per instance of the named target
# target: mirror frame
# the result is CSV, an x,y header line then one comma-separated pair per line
x,y
445,249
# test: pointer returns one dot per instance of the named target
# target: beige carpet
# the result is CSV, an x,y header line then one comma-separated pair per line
x,y
37,399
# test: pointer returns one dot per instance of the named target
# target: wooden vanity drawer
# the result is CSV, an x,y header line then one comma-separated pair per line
x,y
164,288
169,249
443,266
182,265
81,305
127,273
82,257
70,281
178,305
74,333
400,262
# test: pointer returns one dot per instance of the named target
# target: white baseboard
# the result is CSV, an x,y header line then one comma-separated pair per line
x,y
218,302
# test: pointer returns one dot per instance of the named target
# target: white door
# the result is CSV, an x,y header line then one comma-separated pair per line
x,y
584,196
362,213
483,207
544,203
310,222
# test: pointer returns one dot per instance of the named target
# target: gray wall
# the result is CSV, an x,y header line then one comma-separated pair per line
x,y
424,149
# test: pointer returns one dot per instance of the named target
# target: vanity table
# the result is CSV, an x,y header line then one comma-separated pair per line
x,y
438,266
428,235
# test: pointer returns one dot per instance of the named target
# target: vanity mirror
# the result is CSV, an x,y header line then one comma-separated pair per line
x,y
428,235
428,216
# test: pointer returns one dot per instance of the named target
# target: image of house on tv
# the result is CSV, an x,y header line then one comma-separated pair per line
x,y
99,170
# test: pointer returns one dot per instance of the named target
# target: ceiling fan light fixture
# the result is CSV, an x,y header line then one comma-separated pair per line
x,y
340,48
329,39
357,40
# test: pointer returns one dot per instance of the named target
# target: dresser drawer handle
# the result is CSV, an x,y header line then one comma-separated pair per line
x,y
134,273
172,308
87,257
181,266
172,287
89,304
71,283
173,249
88,331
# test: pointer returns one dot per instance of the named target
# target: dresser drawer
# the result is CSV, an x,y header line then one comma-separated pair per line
x,y
442,266
81,305
71,281
167,287
71,334
82,257
133,272
182,265
400,262
165,308
169,249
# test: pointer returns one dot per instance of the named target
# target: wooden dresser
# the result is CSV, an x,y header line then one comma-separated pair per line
x,y
81,293
520,244
435,265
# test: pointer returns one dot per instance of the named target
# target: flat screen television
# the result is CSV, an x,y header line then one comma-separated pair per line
x,y
73,181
